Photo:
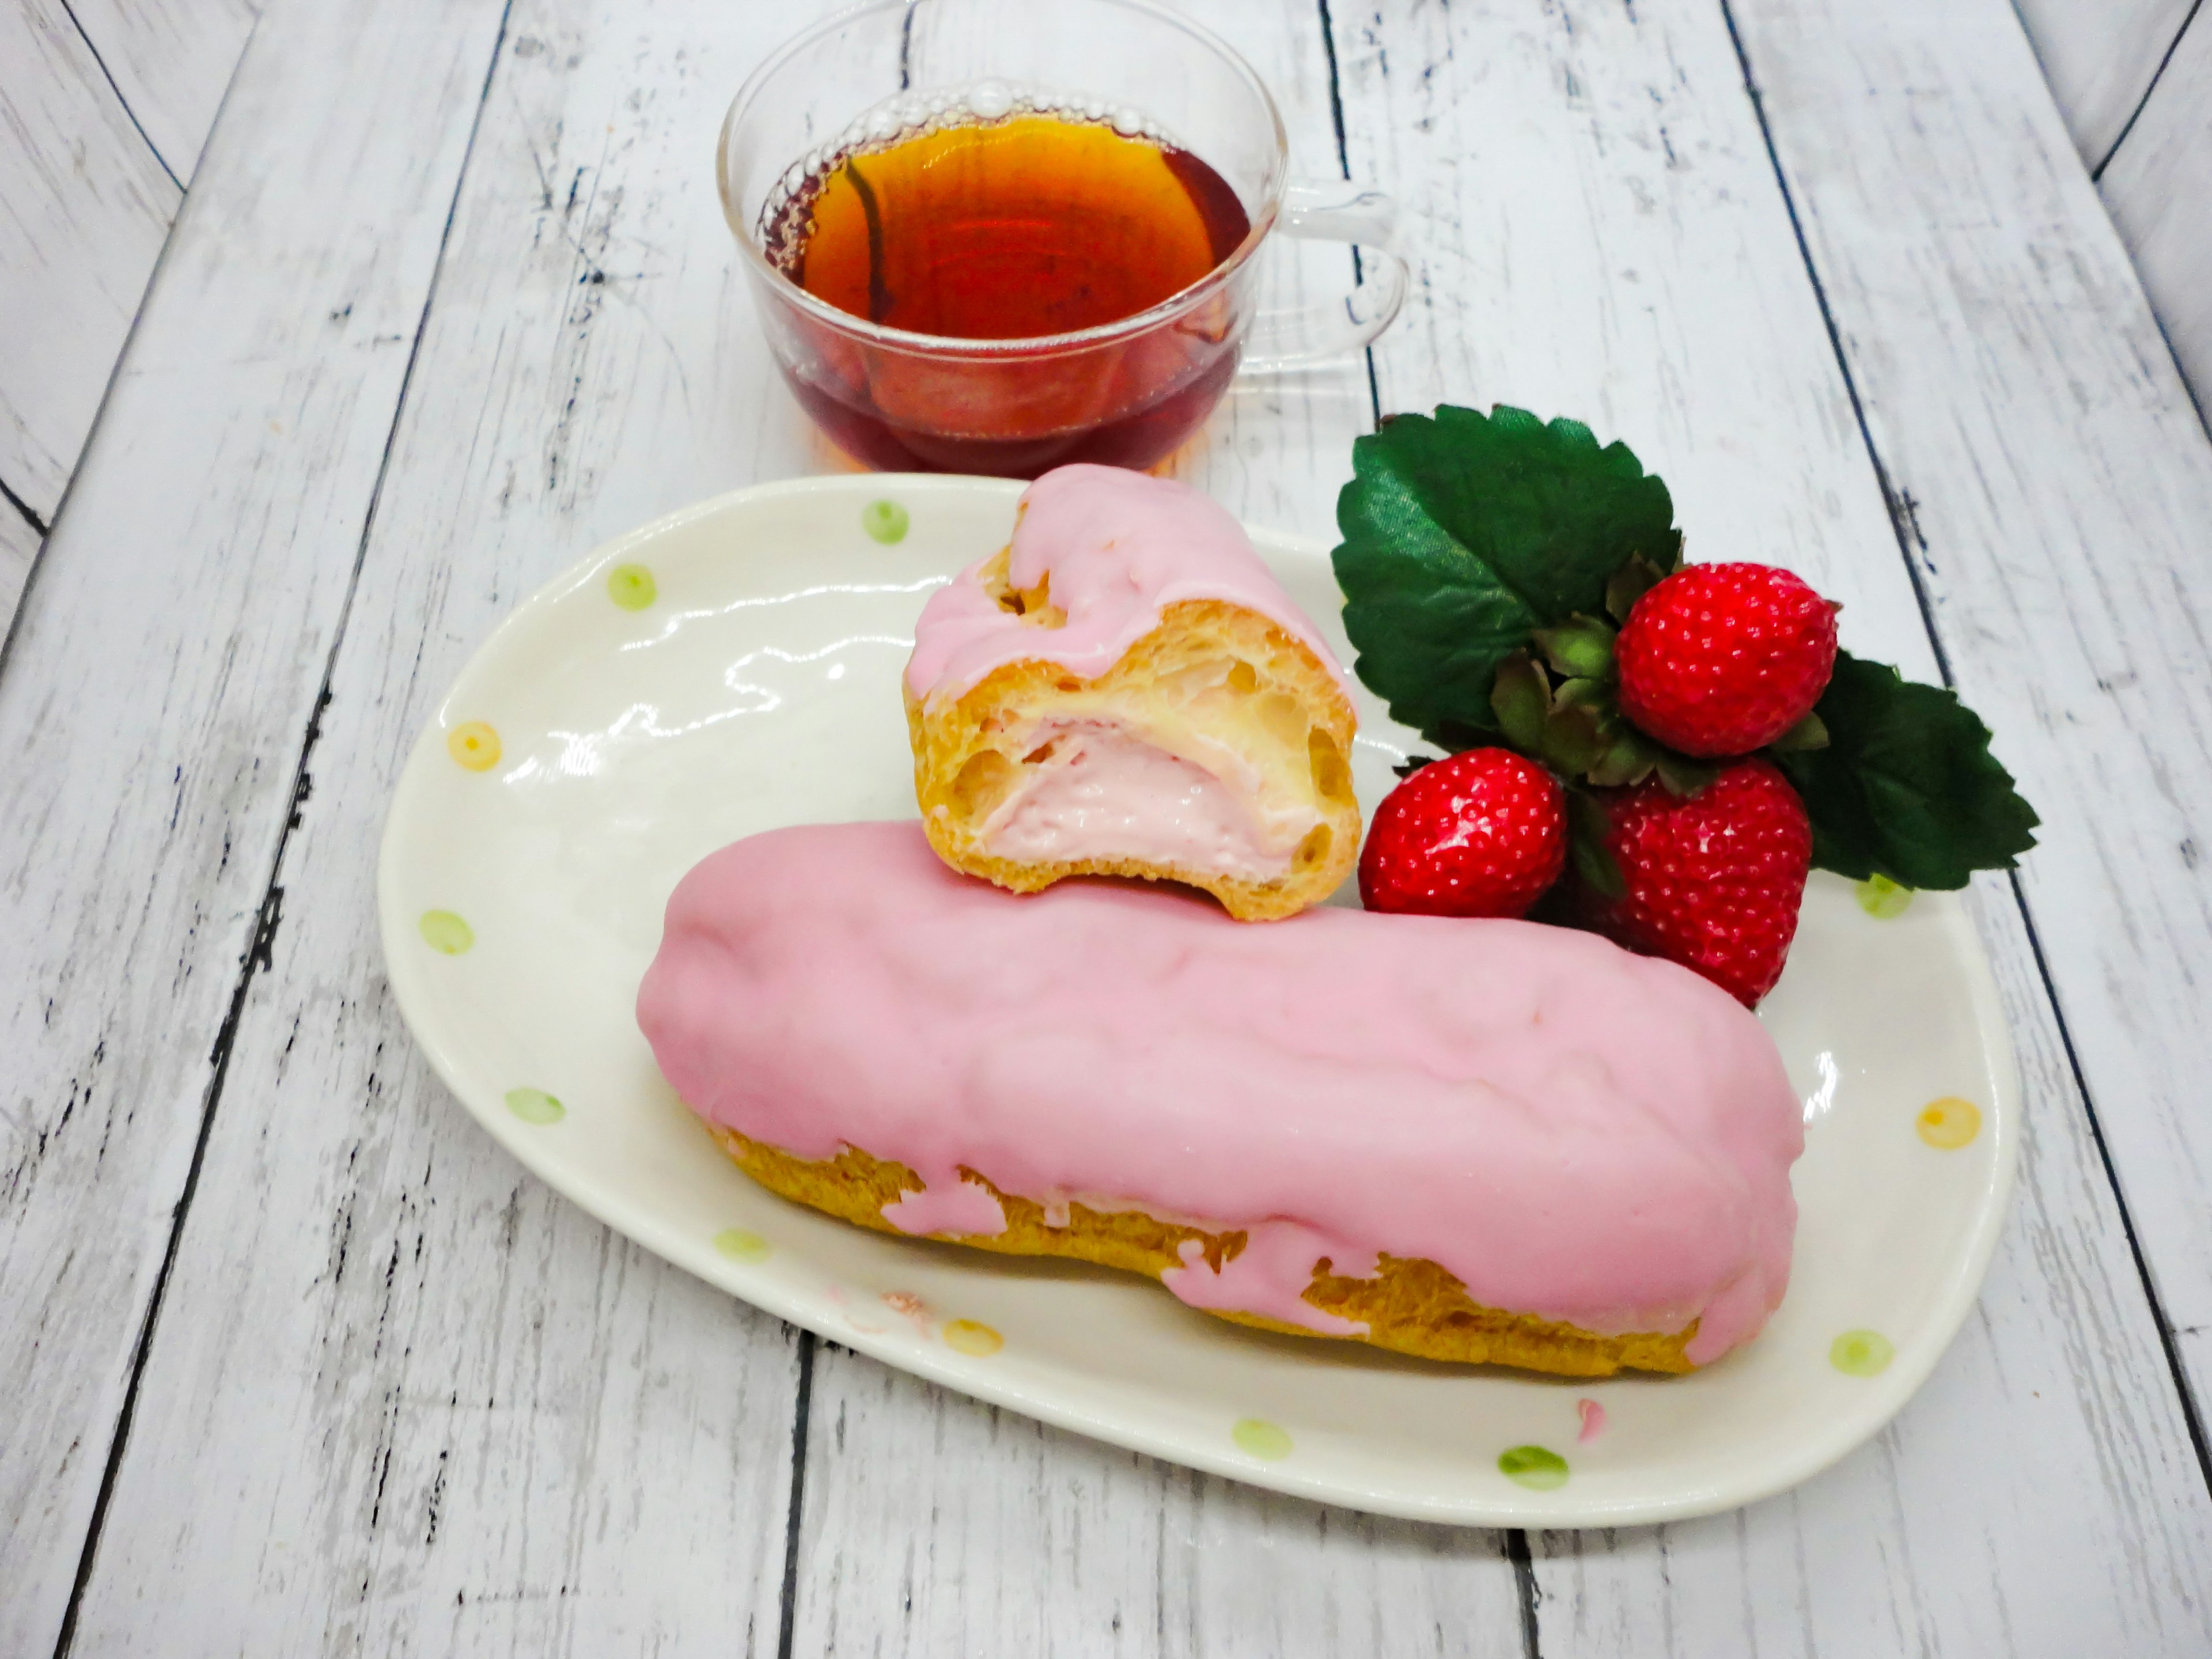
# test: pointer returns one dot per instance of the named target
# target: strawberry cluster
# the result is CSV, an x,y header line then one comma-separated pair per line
x,y
1656,750
1638,778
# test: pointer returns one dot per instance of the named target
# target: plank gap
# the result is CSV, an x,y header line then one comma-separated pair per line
x,y
2168,1337
137,125
2097,172
1524,1581
1903,523
1344,167
257,954
260,945
1897,505
788,1611
9,621
23,507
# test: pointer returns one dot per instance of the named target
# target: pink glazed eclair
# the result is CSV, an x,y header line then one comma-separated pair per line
x,y
1469,1140
1126,690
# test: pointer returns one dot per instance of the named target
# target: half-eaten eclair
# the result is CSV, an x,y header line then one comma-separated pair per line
x,y
1126,690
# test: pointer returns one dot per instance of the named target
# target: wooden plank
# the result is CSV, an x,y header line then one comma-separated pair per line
x,y
1600,232
18,547
170,60
2159,192
153,697
935,1525
86,207
2100,60
2057,485
507,1430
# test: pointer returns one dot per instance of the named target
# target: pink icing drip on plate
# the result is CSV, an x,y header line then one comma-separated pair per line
x,y
1119,547
1572,1131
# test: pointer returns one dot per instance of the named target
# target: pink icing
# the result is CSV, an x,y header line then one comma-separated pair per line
x,y
1104,795
1572,1130
946,1206
1269,1276
1118,546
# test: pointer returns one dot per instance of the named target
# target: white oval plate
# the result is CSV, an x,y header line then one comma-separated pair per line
x,y
755,684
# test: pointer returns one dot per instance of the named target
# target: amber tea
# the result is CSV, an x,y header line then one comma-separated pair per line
x,y
1042,222
1008,229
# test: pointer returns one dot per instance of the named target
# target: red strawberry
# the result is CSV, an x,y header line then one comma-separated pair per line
x,y
1724,659
1713,881
1482,834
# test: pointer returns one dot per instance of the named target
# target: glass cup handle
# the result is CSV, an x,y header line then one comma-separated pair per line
x,y
1303,336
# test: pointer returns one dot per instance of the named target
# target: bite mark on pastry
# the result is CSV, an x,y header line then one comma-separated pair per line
x,y
1126,690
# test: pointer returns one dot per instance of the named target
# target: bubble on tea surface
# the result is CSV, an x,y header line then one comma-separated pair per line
x,y
987,100
1127,122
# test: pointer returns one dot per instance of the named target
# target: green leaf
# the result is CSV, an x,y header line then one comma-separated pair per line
x,y
1634,581
1463,533
1592,694
1580,648
1587,827
1807,733
1520,697
1907,788
1571,742
1683,776
1626,760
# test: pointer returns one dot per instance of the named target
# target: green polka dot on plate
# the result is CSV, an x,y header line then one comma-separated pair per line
x,y
740,1245
632,586
1882,897
884,521
445,933
1861,1354
1256,1435
1534,1467
535,1106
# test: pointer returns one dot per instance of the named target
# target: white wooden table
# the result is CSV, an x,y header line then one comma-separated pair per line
x,y
296,1361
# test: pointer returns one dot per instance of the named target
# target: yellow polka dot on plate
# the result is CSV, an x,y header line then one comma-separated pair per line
x,y
632,586
474,744
445,933
1262,1439
974,1338
1948,1123
1861,1354
1882,897
1537,1468
535,1106
740,1245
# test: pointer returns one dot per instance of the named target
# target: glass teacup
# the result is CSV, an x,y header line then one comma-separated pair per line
x,y
1123,389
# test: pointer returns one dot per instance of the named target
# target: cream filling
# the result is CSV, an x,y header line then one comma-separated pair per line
x,y
1100,793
